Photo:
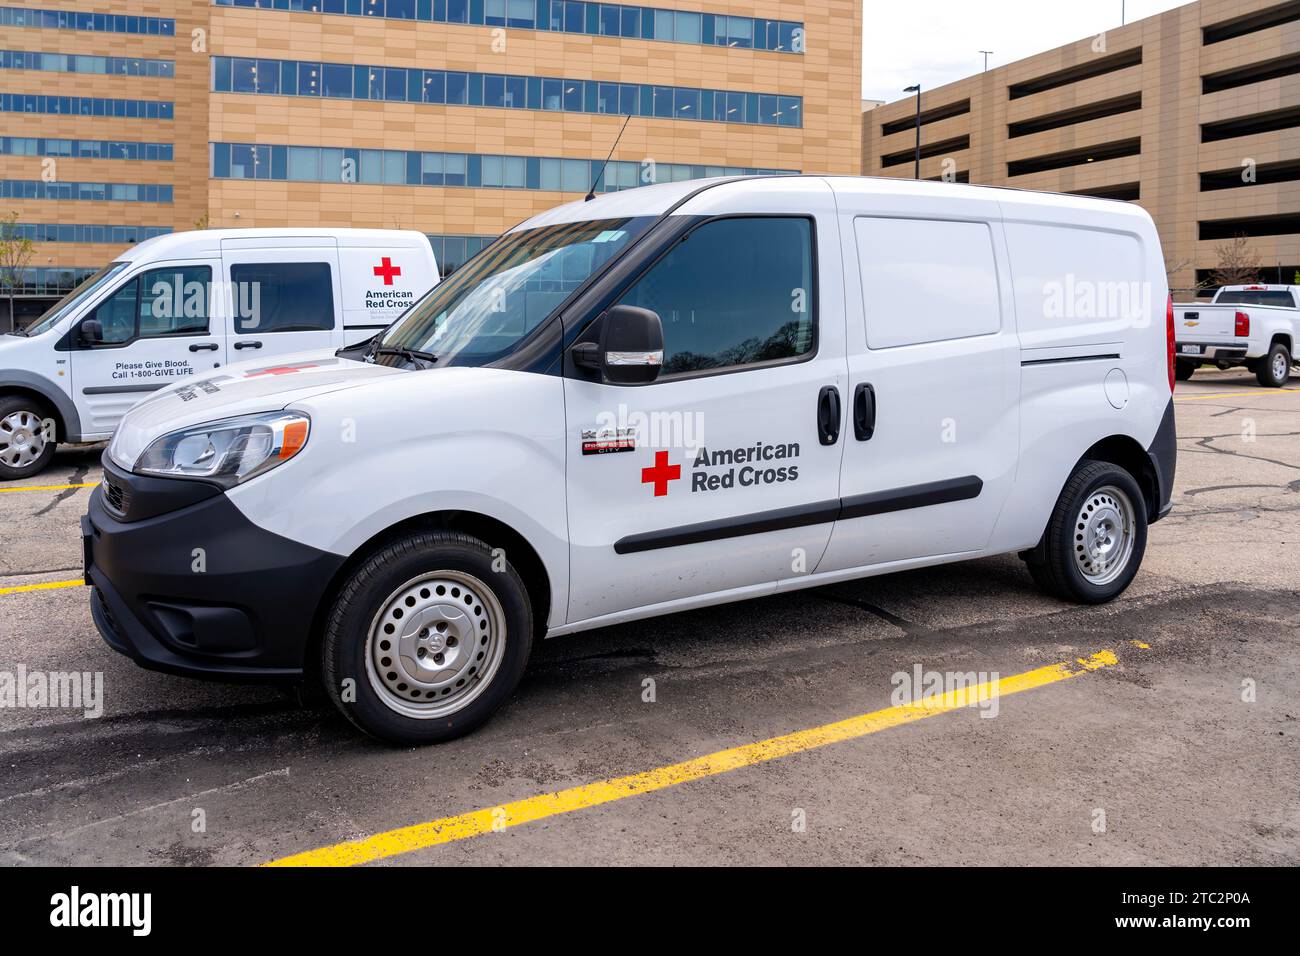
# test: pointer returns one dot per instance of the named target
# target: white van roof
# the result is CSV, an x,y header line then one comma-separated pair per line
x,y
660,198
207,242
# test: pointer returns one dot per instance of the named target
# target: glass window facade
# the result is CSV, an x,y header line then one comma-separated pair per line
x,y
473,170
457,88
87,106
76,20
78,63
568,16
85,148
107,192
85,232
51,280
452,252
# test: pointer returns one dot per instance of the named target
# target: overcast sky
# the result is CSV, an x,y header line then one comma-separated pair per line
x,y
938,41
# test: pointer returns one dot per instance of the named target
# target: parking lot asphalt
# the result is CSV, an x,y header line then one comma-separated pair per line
x,y
1181,749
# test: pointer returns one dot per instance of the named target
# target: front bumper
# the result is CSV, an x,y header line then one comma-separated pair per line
x,y
201,590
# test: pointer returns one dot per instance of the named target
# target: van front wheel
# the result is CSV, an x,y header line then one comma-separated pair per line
x,y
1096,536
27,438
427,638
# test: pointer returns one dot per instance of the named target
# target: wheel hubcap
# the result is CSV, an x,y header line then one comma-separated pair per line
x,y
1103,535
1280,366
435,644
22,438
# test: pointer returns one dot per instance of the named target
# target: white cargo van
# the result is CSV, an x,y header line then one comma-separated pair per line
x,y
183,304
664,398
1251,325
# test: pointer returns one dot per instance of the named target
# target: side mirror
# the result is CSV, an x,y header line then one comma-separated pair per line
x,y
631,349
90,332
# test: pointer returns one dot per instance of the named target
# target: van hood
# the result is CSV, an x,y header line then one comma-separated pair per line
x,y
243,388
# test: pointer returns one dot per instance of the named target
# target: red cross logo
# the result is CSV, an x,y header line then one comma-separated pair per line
x,y
661,474
278,370
387,270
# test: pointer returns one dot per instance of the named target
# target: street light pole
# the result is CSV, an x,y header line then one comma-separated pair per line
x,y
917,90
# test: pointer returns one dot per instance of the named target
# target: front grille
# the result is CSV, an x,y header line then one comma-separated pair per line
x,y
116,495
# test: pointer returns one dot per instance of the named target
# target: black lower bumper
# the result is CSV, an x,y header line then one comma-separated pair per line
x,y
1164,458
202,591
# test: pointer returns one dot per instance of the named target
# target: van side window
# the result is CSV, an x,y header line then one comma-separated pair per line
x,y
926,280
282,297
174,301
160,302
734,292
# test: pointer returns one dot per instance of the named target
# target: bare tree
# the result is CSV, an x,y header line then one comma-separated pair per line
x,y
1238,263
16,251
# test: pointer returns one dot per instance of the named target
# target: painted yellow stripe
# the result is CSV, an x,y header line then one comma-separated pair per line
x,y
86,484
488,819
1259,392
47,586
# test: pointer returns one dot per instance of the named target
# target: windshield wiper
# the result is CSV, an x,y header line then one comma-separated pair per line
x,y
411,355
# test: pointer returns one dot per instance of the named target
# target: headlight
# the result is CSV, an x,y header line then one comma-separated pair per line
x,y
228,451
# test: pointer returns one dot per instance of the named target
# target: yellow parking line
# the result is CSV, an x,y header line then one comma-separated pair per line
x,y
486,820
1260,392
47,586
85,484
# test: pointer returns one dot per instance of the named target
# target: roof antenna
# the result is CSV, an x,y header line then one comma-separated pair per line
x,y
592,193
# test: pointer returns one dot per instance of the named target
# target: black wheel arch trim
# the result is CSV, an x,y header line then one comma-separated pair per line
x,y
69,420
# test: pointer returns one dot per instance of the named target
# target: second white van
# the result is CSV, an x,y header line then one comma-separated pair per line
x,y
664,398
177,306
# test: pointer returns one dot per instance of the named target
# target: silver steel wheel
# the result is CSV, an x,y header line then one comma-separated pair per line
x,y
22,438
1280,365
435,644
1103,535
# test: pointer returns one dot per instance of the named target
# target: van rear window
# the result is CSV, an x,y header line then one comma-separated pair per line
x,y
282,297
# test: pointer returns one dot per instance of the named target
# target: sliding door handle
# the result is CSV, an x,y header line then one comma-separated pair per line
x,y
205,347
828,415
248,345
864,411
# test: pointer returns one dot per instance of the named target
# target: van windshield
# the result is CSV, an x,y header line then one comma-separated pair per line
x,y
89,286
488,306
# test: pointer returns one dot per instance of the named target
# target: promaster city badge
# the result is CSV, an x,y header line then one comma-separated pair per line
x,y
605,441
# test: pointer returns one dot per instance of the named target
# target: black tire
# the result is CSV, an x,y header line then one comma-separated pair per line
x,y
1183,369
1278,357
1053,564
35,416
369,592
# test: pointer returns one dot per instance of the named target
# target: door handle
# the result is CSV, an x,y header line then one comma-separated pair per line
x,y
248,345
864,411
205,347
828,415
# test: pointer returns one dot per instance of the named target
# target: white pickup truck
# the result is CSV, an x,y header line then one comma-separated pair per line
x,y
1251,325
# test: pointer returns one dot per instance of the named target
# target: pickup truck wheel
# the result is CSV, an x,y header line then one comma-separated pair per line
x,y
1275,369
1096,537
426,639
1183,369
27,438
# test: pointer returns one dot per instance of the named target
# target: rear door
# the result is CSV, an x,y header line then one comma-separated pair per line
x,y
161,325
934,362
281,300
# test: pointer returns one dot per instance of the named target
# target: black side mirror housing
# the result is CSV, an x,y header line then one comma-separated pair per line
x,y
630,350
90,332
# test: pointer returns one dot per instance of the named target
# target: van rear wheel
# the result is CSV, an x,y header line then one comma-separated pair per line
x,y
427,638
1274,369
27,438
1096,537
1183,369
